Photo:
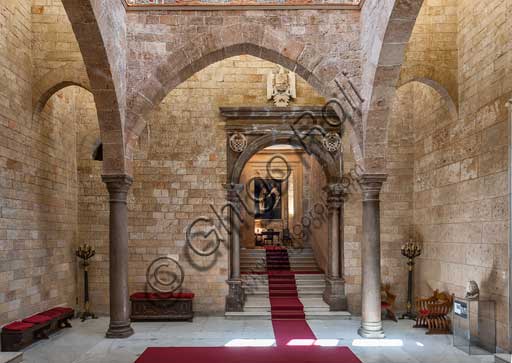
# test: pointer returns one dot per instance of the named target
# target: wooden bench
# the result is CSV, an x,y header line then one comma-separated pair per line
x,y
20,334
162,307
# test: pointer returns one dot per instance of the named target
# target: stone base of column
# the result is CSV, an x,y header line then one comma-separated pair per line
x,y
334,294
371,330
119,330
236,297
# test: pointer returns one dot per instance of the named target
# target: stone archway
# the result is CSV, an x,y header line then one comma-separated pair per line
x,y
96,26
52,82
332,164
252,39
440,89
390,36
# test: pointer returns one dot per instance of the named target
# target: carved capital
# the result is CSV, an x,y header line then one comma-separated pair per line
x,y
371,185
233,192
335,195
118,186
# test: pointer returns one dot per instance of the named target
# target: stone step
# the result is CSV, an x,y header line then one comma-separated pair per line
x,y
303,285
258,315
266,315
502,358
11,357
328,315
264,293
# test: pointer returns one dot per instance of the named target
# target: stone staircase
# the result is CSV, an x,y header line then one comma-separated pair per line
x,y
310,286
502,358
11,357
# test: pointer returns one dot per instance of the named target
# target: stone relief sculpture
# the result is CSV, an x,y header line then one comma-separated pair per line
x,y
281,87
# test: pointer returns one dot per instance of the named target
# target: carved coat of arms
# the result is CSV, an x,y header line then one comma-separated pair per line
x,y
281,87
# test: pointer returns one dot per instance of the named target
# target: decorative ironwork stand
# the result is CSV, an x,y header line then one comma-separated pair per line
x,y
85,253
411,251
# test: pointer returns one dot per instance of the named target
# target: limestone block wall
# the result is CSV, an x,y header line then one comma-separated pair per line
x,y
396,197
179,170
53,41
432,52
38,181
155,35
455,139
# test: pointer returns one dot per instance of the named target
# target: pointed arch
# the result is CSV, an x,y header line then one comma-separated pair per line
x,y
71,74
382,70
252,39
100,29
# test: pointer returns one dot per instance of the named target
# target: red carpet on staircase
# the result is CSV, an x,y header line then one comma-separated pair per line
x,y
288,318
289,323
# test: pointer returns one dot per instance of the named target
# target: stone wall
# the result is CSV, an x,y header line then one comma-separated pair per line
x,y
432,52
53,41
38,181
448,141
179,169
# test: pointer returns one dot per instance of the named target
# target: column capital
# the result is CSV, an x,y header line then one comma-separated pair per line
x,y
118,183
371,184
335,195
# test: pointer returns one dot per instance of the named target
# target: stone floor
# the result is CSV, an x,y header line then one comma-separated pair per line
x,y
85,342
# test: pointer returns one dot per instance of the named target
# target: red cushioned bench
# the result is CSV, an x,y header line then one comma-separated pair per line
x,y
162,307
20,334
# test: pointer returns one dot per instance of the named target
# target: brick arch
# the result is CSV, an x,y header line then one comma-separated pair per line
x,y
55,80
256,40
440,89
382,86
98,28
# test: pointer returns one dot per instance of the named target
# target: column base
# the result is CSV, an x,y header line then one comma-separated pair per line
x,y
236,298
371,330
334,294
119,330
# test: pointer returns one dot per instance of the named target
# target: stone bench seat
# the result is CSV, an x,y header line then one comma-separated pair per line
x,y
162,306
21,334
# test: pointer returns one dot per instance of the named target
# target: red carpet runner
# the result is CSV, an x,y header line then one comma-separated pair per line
x,y
248,355
288,318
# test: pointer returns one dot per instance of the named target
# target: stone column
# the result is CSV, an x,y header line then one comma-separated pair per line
x,y
371,323
334,294
236,296
118,186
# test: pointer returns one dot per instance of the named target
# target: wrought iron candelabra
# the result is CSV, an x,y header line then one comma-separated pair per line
x,y
85,253
410,250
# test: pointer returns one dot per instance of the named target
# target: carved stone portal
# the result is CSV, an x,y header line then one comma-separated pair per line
x,y
281,87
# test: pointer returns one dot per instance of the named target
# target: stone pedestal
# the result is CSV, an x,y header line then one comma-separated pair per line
x,y
371,322
118,186
236,296
334,293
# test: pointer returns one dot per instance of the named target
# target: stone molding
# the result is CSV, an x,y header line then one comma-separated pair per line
x,y
335,195
118,186
371,185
